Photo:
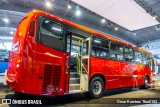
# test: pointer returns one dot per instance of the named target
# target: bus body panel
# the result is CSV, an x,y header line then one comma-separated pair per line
x,y
118,74
48,62
33,56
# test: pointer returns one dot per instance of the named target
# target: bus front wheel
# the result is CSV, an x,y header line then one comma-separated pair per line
x,y
96,87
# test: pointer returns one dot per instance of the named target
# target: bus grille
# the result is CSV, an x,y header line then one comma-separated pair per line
x,y
51,77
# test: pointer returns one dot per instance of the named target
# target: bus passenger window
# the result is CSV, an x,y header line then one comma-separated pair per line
x,y
113,56
100,47
116,52
96,42
119,52
113,51
97,53
120,57
93,52
105,44
128,55
50,33
105,47
51,29
138,57
145,59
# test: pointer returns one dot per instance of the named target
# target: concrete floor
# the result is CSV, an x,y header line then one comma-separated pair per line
x,y
110,98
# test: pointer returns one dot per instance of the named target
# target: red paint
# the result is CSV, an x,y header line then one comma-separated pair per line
x,y
28,59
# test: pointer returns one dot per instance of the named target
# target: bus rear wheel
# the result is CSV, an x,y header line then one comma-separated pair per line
x,y
146,81
96,87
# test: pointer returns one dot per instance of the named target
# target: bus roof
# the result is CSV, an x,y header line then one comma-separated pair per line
x,y
89,30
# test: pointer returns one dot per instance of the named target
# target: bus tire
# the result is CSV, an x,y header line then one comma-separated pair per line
x,y
96,87
146,81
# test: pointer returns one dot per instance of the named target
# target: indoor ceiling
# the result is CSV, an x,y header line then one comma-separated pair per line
x,y
14,10
130,16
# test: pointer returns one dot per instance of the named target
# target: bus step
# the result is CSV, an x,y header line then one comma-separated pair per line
x,y
74,91
73,70
74,80
74,75
73,67
74,87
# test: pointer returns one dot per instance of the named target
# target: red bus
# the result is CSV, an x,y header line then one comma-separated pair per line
x,y
52,56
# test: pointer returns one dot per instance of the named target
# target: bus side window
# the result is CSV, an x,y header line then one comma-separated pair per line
x,y
113,51
51,33
105,47
138,57
128,55
116,52
131,51
145,59
119,52
95,46
100,47
93,52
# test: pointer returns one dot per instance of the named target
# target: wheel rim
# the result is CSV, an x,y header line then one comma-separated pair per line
x,y
146,83
97,87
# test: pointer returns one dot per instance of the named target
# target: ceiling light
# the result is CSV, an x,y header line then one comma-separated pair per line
x,y
134,33
69,6
116,28
154,17
103,20
48,4
6,20
78,12
157,27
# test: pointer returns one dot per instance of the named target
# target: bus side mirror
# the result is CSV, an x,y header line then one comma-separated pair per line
x,y
31,29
